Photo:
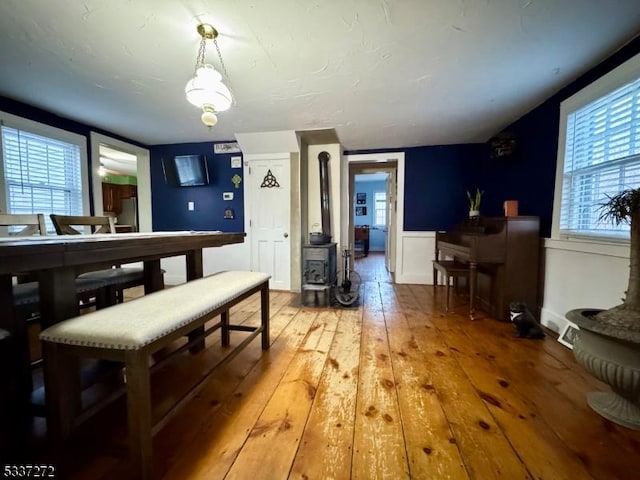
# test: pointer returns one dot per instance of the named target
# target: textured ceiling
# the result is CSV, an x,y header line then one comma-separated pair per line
x,y
382,73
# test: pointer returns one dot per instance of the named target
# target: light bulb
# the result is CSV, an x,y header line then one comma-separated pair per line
x,y
208,117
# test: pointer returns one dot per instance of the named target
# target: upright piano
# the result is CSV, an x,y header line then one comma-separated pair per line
x,y
503,256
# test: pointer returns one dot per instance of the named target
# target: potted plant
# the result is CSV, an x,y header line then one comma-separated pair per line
x,y
474,203
608,343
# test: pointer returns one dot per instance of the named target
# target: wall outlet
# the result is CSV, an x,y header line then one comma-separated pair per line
x,y
190,206
227,195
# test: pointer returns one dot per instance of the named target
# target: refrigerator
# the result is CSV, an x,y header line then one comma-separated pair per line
x,y
129,214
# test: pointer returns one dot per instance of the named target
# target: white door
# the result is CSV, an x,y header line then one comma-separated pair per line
x,y
270,219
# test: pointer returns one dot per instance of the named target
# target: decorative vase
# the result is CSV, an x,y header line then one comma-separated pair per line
x,y
611,354
474,213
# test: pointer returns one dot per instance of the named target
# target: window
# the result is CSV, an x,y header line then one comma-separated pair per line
x,y
43,169
380,209
599,152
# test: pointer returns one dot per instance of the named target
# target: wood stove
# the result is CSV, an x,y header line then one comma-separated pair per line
x,y
319,260
319,264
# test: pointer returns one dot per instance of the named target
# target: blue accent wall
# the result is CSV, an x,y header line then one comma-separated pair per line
x,y
436,178
170,211
435,184
529,176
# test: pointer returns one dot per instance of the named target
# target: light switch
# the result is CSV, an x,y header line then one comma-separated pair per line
x,y
190,206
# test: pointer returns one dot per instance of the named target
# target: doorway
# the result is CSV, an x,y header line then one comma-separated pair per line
x,y
392,166
123,159
371,219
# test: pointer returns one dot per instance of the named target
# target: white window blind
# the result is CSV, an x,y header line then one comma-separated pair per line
x,y
42,175
380,208
602,158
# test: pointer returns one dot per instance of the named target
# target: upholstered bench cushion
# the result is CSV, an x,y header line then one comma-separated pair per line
x,y
132,325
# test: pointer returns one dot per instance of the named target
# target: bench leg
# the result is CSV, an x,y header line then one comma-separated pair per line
x,y
264,308
139,413
448,298
224,328
62,390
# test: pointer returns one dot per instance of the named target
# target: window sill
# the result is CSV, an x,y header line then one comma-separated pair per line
x,y
591,246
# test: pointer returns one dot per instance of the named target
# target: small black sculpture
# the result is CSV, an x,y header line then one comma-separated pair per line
x,y
525,322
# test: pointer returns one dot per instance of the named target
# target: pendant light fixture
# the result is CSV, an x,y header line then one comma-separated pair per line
x,y
206,89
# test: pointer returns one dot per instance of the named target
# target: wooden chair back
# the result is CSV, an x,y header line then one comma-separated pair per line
x,y
65,224
33,224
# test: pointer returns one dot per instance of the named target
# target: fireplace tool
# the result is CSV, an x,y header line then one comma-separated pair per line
x,y
348,291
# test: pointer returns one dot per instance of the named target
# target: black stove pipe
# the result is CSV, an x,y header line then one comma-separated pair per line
x,y
324,157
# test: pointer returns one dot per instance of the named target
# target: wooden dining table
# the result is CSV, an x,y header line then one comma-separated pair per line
x,y
57,260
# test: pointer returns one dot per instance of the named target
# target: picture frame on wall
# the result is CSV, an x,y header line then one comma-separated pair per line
x,y
361,199
361,211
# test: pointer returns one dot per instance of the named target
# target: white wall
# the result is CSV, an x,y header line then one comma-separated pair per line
x,y
227,257
417,254
581,274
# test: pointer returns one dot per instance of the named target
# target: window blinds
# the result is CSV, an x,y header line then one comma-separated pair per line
x,y
42,175
602,158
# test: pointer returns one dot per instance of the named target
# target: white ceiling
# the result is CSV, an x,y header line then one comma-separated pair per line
x,y
118,162
382,73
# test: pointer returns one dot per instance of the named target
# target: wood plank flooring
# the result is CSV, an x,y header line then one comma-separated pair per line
x,y
391,389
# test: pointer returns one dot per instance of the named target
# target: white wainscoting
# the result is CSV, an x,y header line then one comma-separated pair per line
x,y
415,258
228,257
581,274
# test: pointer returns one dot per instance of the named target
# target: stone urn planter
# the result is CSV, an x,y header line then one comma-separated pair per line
x,y
608,343
611,354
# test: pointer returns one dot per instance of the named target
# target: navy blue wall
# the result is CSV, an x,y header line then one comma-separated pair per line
x,y
436,177
529,176
435,184
38,115
436,181
170,211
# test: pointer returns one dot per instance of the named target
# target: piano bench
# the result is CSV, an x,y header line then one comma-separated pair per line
x,y
450,269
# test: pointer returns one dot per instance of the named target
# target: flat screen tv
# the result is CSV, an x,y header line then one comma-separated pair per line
x,y
186,170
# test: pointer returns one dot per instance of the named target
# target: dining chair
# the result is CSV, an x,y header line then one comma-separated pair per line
x,y
117,278
68,224
22,225
26,299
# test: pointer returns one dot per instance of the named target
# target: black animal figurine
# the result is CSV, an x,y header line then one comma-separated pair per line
x,y
525,322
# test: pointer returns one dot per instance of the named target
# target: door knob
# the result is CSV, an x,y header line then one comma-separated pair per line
x,y
286,235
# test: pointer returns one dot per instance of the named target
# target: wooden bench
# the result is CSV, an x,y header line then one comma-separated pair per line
x,y
131,333
449,269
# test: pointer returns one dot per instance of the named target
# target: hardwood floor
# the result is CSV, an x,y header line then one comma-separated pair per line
x,y
371,268
391,389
